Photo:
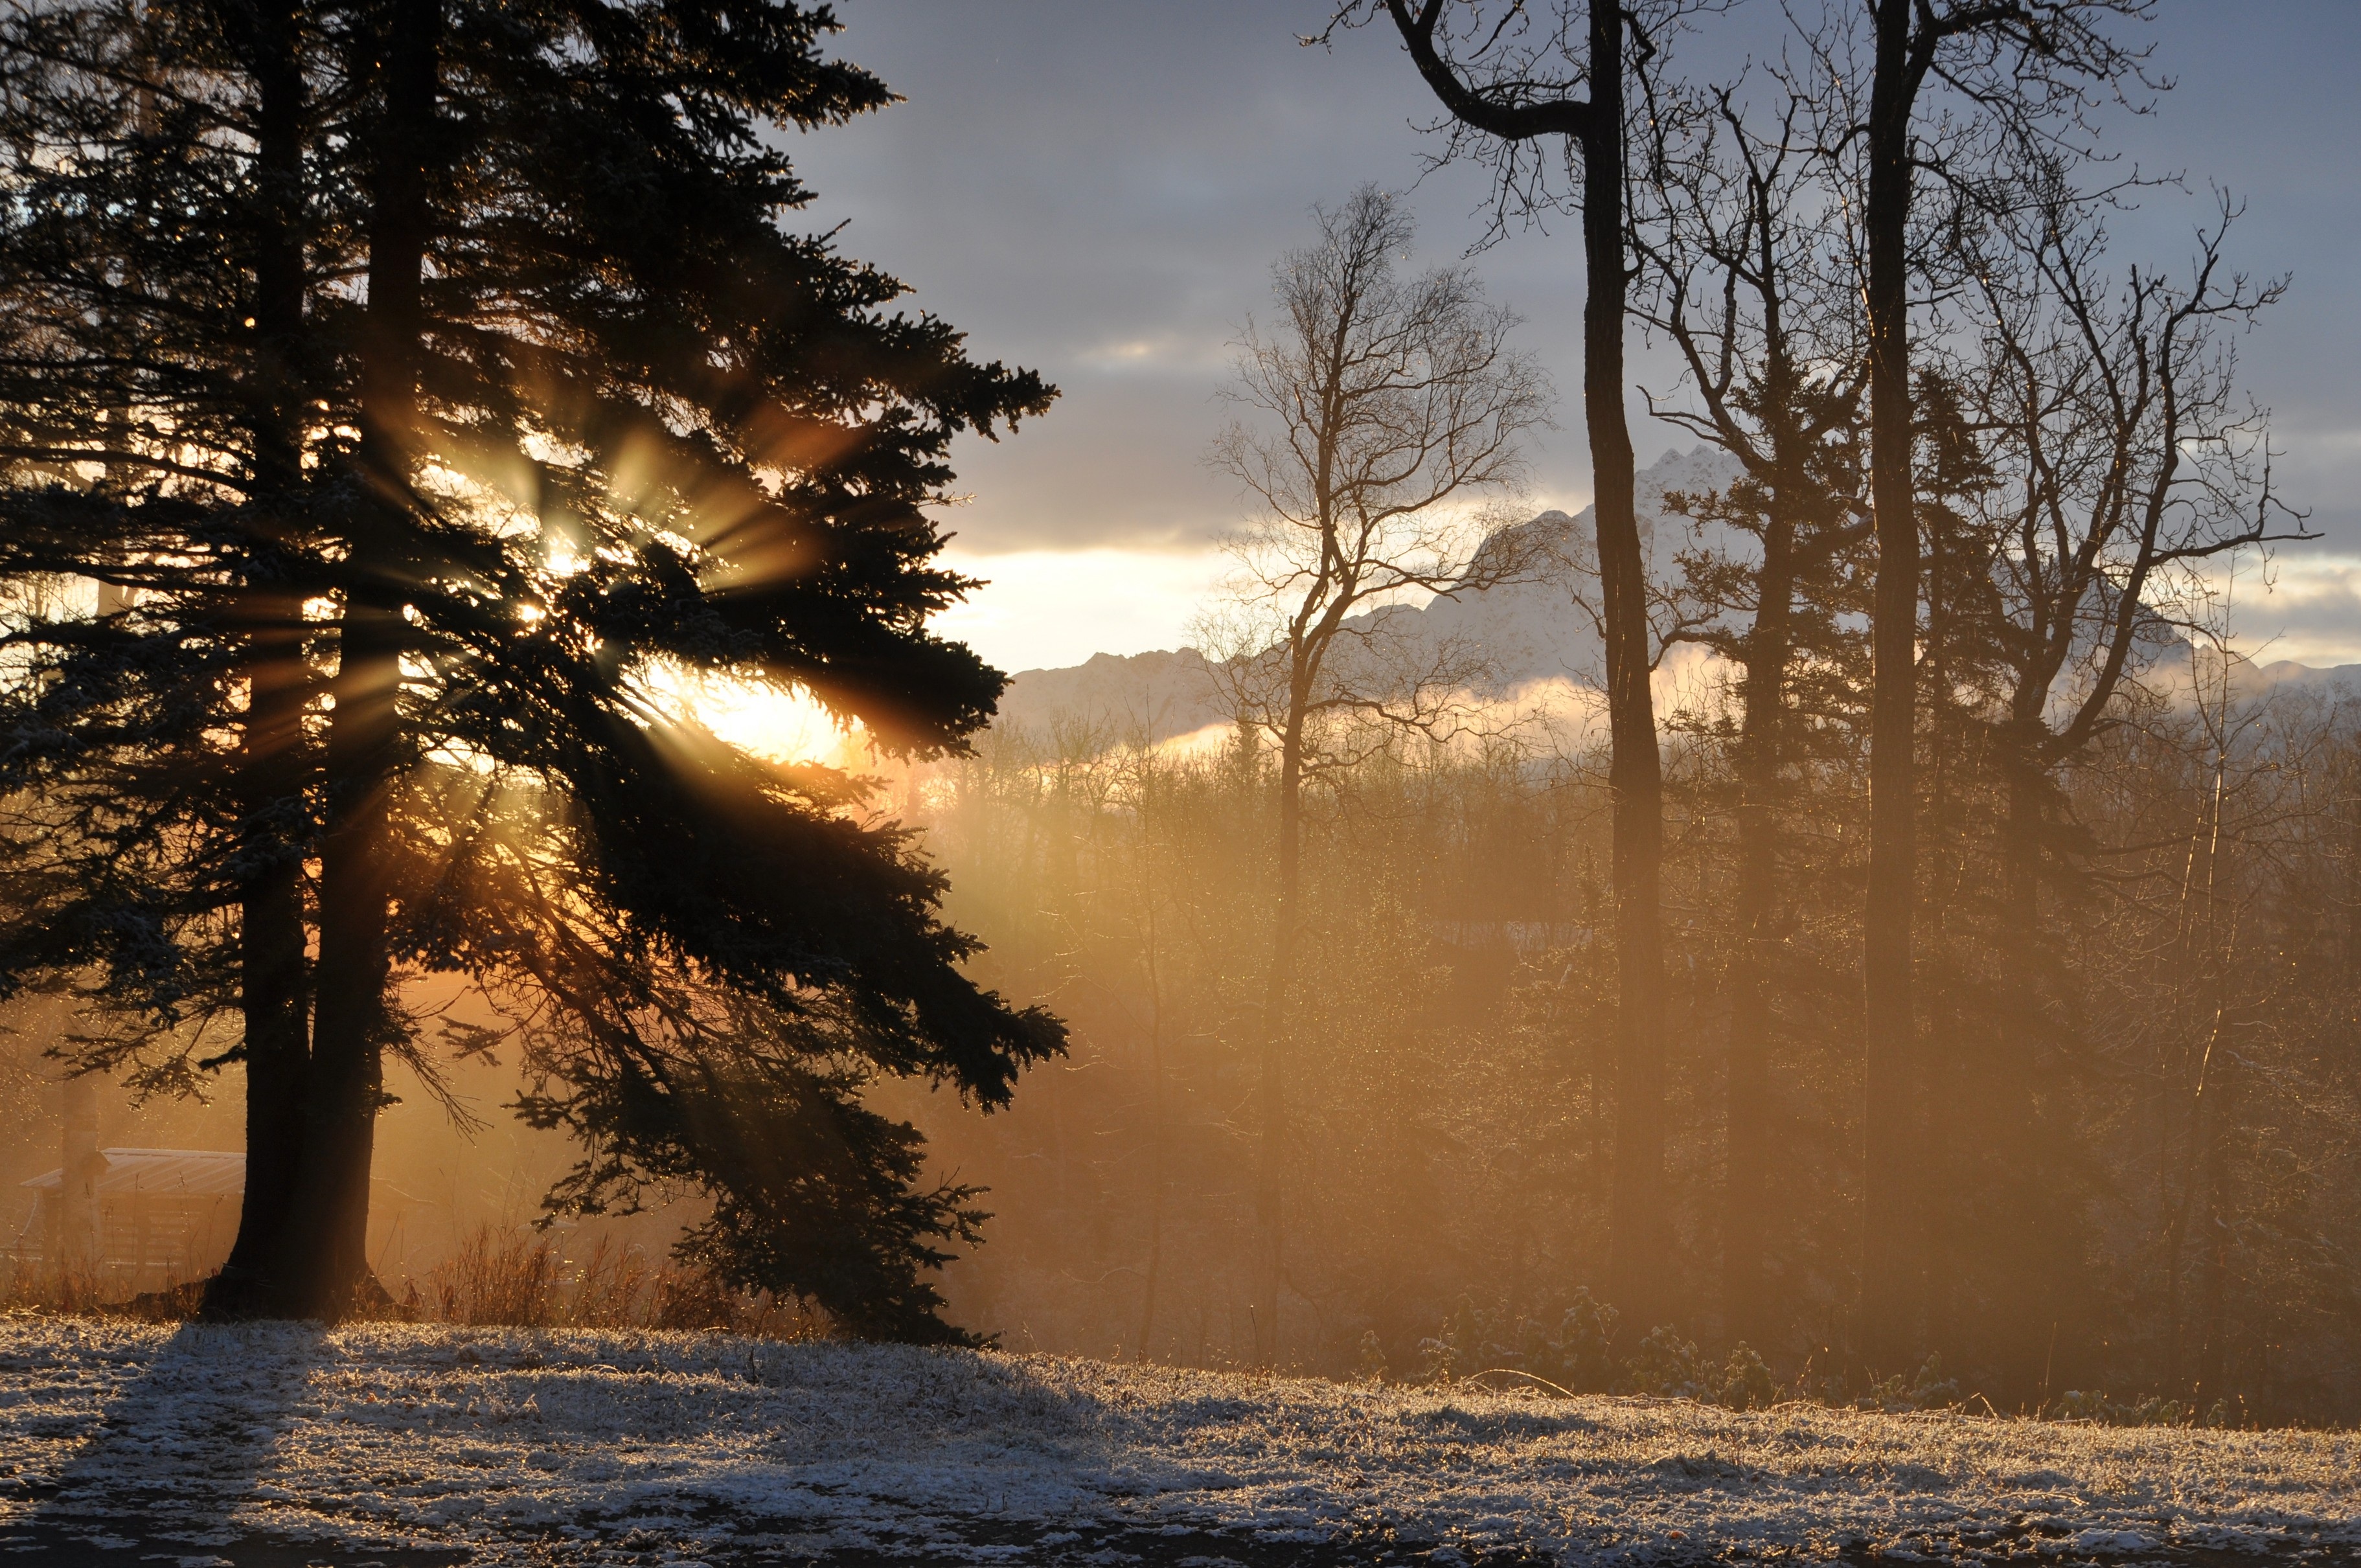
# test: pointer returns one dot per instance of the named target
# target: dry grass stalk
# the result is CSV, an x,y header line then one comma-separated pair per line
x,y
44,1287
608,1286
497,1277
520,1279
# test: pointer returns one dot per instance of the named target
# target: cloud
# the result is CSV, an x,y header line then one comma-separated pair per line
x,y
1098,191
1048,608
2306,608
1197,354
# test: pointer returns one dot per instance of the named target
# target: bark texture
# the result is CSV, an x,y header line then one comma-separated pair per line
x,y
274,998
1747,1204
325,1264
1637,1262
1885,1328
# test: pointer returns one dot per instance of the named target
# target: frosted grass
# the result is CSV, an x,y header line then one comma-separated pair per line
x,y
542,1445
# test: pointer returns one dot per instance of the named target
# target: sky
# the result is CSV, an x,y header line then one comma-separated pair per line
x,y
1098,190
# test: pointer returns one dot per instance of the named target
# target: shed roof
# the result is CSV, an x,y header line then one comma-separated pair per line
x,y
195,1172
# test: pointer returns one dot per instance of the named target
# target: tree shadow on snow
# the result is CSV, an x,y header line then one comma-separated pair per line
x,y
958,1459
178,1447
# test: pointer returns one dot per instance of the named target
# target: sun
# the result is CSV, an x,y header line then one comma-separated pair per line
x,y
776,723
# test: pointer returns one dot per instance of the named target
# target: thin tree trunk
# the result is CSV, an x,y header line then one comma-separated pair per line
x,y
1944,1178
1270,1095
1747,1204
1155,1116
2024,1352
2211,1352
1932,1199
328,1259
1889,1129
1637,1234
2201,1141
1637,1228
276,1048
2199,1144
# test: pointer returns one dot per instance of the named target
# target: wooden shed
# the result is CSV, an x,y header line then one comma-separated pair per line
x,y
159,1216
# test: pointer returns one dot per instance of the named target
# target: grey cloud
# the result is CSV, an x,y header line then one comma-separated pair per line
x,y
1067,178
2306,608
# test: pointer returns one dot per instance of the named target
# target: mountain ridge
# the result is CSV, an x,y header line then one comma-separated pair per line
x,y
1532,630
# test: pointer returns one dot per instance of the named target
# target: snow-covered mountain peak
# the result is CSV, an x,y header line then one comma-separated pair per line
x,y
1532,629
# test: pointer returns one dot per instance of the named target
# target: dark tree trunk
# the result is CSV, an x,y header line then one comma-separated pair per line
x,y
327,1262
1885,1327
276,1047
1638,1231
1748,1201
1639,1235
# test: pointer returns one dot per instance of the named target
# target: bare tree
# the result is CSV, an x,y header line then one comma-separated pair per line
x,y
2020,72
2126,461
1744,274
1374,410
2123,465
1516,84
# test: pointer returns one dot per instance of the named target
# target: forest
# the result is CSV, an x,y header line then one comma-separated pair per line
x,y
2133,1170
1880,939
1944,1000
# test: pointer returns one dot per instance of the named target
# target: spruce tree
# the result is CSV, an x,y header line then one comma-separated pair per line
x,y
155,388
574,409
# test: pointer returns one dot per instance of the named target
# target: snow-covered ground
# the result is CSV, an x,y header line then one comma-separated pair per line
x,y
179,1445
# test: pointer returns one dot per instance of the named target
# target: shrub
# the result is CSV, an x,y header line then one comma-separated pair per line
x,y
1577,1353
1469,1341
1372,1367
2077,1404
1746,1380
1667,1365
1930,1390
